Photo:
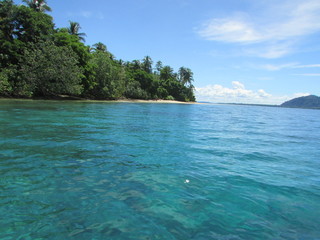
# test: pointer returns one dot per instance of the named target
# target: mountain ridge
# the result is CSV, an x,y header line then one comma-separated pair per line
x,y
311,101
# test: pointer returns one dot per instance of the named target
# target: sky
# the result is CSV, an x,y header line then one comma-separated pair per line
x,y
240,51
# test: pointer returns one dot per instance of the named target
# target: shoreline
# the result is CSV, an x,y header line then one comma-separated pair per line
x,y
151,101
73,99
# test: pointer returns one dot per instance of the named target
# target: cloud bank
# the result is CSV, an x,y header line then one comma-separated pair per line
x,y
239,94
271,33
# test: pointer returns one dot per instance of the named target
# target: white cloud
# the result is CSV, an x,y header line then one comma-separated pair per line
x,y
308,66
271,50
273,67
262,93
296,95
309,74
272,32
238,85
301,19
229,30
239,94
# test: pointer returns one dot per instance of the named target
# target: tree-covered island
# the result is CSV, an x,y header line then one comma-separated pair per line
x,y
39,60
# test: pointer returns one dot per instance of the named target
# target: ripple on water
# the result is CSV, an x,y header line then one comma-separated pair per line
x,y
156,171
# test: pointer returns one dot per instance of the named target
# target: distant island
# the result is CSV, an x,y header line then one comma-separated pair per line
x,y
310,101
38,60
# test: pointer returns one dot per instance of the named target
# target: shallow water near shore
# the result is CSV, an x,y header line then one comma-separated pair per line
x,y
79,170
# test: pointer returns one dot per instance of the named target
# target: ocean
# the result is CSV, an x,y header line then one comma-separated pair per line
x,y
109,170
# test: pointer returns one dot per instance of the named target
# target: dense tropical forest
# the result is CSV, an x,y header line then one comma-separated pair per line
x,y
39,60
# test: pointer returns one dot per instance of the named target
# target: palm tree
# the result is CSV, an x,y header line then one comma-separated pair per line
x,y
121,62
74,28
186,76
166,73
159,66
38,5
136,64
111,56
100,47
147,64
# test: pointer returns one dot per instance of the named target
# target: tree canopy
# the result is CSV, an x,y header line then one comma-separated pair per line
x,y
39,60
74,28
38,5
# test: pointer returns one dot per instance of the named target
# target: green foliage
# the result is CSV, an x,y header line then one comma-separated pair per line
x,y
166,73
186,76
162,93
145,79
32,26
74,28
134,91
147,64
10,52
50,70
8,13
10,46
159,67
100,47
38,60
5,86
63,39
109,78
169,98
38,5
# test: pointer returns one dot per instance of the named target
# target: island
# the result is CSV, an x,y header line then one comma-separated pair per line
x,y
310,101
38,60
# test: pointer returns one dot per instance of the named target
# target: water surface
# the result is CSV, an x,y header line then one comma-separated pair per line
x,y
77,170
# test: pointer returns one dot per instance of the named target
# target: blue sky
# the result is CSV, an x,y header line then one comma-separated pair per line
x,y
248,51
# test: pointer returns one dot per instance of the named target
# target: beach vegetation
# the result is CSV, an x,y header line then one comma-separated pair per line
x,y
39,60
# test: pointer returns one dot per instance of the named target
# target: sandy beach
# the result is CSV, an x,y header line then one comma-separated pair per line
x,y
76,99
155,101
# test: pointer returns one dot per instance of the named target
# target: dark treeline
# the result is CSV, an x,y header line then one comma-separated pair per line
x,y
39,60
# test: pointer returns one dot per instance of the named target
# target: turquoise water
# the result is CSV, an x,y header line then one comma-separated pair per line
x,y
75,170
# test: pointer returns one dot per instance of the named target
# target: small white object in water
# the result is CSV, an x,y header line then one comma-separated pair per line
x,y
186,181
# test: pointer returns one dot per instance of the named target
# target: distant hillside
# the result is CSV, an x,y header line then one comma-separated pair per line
x,y
311,101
